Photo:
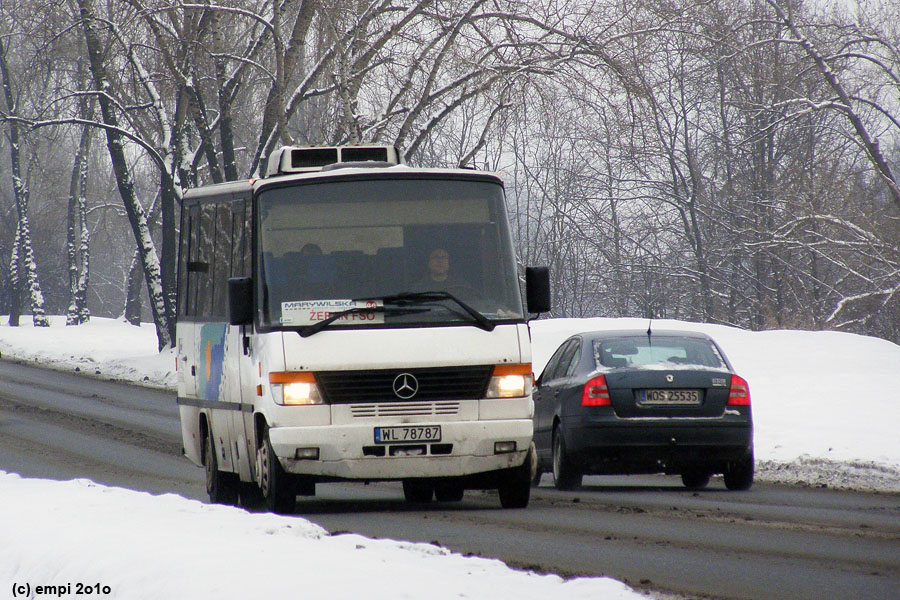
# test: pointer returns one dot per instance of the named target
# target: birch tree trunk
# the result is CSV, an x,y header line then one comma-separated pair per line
x,y
78,236
24,250
159,301
15,284
133,292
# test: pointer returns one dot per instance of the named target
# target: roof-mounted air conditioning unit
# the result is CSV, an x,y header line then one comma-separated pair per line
x,y
293,159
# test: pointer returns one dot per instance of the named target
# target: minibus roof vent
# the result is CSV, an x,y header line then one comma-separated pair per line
x,y
294,159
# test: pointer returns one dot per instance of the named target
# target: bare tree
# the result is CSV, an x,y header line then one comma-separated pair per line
x,y
844,100
160,301
77,234
23,252
725,161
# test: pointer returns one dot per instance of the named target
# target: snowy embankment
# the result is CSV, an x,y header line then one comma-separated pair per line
x,y
133,545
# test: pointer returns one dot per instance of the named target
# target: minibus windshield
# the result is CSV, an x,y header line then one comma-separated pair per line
x,y
343,245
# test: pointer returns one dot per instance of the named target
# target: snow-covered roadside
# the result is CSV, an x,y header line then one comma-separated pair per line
x,y
108,348
132,545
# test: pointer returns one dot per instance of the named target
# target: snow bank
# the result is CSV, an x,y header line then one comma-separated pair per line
x,y
110,348
138,546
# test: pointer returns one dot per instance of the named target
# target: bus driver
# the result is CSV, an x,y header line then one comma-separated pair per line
x,y
438,276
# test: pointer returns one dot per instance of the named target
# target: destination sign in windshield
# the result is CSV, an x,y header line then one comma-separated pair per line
x,y
301,313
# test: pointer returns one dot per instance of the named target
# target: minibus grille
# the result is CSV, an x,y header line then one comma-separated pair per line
x,y
438,383
405,409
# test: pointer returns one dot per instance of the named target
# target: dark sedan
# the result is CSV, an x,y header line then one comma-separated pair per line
x,y
630,402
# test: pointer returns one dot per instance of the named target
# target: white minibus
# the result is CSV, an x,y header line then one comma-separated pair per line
x,y
347,317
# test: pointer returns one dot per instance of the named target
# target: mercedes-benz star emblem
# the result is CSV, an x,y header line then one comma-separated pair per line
x,y
669,378
405,386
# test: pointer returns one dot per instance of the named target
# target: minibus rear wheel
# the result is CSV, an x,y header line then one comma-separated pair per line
x,y
221,487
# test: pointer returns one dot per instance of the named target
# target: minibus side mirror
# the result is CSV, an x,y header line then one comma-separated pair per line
x,y
537,289
240,300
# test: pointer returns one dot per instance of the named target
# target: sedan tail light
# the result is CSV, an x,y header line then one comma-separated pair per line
x,y
739,394
595,392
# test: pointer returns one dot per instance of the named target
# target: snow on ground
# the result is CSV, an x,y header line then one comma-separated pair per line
x,y
138,546
102,347
825,411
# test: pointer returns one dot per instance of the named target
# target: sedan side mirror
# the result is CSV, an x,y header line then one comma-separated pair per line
x,y
240,300
537,289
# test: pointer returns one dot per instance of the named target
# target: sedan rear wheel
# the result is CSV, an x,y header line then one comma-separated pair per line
x,y
418,492
449,491
695,480
739,475
566,475
536,480
536,471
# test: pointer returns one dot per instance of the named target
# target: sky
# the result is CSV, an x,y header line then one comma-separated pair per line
x,y
825,413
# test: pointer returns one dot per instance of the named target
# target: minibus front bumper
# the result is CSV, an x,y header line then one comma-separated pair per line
x,y
351,451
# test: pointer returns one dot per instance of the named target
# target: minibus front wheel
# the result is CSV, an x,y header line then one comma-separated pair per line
x,y
514,485
275,484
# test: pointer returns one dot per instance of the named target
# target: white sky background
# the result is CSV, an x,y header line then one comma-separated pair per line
x,y
817,397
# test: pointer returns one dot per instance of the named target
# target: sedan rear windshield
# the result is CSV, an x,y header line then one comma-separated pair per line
x,y
662,352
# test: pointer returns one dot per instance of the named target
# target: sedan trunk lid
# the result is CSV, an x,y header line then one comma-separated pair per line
x,y
668,393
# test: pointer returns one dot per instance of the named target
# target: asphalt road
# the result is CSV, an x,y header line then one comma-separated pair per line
x,y
772,542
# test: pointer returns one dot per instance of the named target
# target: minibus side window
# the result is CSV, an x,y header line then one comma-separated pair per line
x,y
221,259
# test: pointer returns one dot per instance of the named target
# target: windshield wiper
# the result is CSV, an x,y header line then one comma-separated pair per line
x,y
408,298
320,325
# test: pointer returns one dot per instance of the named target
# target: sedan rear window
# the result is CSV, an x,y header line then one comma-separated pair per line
x,y
665,352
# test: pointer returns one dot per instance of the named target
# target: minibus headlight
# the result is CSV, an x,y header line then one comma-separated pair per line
x,y
510,381
295,389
